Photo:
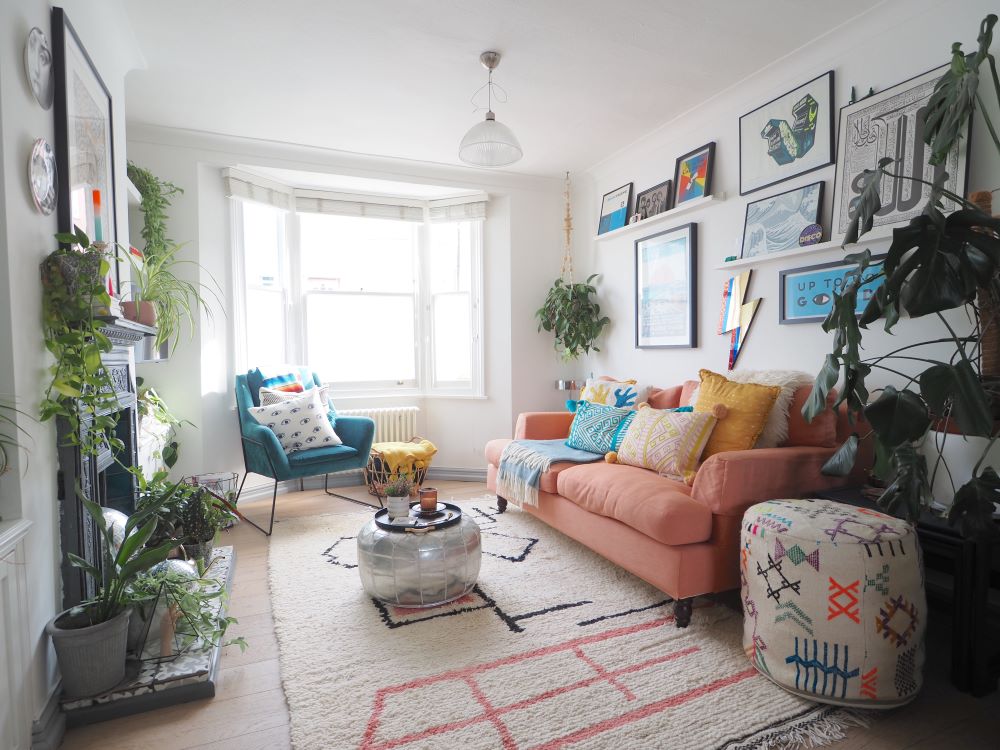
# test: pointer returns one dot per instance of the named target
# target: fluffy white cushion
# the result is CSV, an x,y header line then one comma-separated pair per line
x,y
776,428
299,423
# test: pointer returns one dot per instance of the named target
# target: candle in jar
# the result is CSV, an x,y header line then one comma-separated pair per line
x,y
428,499
98,233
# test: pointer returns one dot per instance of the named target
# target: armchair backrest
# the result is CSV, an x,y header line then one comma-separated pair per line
x,y
248,388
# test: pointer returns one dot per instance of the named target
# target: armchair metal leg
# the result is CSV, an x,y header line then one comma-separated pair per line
x,y
326,489
239,514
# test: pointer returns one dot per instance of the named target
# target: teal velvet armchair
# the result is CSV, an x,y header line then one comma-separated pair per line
x,y
263,454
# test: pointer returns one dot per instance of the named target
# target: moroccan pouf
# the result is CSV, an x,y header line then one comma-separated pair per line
x,y
833,601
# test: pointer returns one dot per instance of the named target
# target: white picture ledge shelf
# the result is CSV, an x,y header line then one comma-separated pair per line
x,y
817,249
666,216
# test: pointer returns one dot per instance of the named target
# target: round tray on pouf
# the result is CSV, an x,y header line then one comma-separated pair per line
x,y
447,515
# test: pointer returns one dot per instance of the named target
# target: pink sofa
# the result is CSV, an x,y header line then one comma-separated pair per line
x,y
682,539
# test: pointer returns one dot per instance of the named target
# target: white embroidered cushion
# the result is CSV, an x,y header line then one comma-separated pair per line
x,y
299,423
667,442
269,396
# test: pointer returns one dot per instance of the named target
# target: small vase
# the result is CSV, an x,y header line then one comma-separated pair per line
x,y
399,507
143,312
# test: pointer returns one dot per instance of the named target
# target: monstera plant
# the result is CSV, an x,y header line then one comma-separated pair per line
x,y
573,316
937,263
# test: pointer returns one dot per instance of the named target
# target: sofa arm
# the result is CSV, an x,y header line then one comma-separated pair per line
x,y
543,425
729,482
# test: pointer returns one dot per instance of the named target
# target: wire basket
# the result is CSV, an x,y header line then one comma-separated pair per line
x,y
223,483
378,474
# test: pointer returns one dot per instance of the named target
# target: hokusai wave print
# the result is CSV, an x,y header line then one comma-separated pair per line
x,y
780,222
890,124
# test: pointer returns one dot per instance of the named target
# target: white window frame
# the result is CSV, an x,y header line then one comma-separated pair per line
x,y
295,293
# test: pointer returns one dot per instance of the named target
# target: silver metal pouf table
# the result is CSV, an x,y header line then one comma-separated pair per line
x,y
419,568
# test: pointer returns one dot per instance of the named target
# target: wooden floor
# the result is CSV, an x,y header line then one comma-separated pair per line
x,y
249,710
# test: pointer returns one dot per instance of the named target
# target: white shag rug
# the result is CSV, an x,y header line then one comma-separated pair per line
x,y
555,648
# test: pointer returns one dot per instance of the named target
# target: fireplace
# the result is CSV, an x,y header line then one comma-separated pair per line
x,y
100,478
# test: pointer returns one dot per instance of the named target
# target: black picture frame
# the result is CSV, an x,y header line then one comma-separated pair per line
x,y
814,219
783,275
645,338
614,213
81,140
867,108
664,189
776,108
704,192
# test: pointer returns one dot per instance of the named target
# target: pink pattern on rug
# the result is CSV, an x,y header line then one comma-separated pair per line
x,y
494,714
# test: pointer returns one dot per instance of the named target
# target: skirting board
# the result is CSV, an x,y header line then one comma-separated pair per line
x,y
47,730
355,479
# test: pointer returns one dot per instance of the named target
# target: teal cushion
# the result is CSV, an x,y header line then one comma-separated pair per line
x,y
598,428
321,454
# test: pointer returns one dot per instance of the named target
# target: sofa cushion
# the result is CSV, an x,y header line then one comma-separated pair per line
x,y
666,441
625,394
749,406
658,507
598,428
822,431
547,482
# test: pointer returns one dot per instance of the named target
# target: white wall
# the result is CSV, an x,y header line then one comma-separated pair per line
x,y
893,42
522,256
29,490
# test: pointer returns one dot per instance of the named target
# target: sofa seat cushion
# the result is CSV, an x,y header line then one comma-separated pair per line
x,y
547,483
660,508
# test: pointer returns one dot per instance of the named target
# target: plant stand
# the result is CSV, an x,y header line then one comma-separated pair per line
x,y
152,683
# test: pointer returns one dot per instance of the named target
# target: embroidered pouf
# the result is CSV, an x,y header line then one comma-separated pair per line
x,y
833,601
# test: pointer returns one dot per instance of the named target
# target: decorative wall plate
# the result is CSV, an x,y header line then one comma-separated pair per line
x,y
42,176
38,66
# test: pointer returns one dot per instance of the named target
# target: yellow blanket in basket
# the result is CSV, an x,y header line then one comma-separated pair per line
x,y
406,456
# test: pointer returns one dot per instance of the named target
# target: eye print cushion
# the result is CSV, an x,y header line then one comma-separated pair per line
x,y
300,423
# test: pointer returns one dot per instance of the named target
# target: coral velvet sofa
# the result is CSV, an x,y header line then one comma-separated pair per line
x,y
682,539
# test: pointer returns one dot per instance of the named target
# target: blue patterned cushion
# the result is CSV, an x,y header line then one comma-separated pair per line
x,y
598,428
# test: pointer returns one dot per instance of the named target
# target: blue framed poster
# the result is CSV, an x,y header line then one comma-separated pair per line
x,y
614,209
807,293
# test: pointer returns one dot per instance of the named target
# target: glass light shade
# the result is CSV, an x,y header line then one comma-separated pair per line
x,y
489,144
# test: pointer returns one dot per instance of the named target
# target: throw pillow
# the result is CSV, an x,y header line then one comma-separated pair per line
x,y
598,428
749,405
288,382
299,423
271,396
669,442
624,394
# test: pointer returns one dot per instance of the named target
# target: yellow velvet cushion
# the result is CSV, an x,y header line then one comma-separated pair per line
x,y
749,405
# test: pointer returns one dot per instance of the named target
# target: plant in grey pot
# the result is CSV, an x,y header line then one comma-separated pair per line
x,y
397,493
90,639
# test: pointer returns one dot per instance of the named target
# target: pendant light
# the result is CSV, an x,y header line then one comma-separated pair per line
x,y
489,143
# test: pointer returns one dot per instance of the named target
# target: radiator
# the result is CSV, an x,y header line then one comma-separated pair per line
x,y
15,711
396,423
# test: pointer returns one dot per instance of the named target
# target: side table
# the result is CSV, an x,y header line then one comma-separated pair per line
x,y
974,566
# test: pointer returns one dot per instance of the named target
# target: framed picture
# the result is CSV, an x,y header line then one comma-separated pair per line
x,y
889,123
84,144
614,209
666,284
693,174
654,201
807,293
788,136
783,221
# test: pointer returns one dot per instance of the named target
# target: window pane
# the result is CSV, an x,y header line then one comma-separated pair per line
x,y
359,337
263,235
348,253
450,257
265,327
452,344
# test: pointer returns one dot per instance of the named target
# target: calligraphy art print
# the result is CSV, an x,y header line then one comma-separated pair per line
x,y
891,124
788,136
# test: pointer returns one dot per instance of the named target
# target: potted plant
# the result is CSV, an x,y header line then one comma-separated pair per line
x,y
201,519
90,639
157,424
80,389
935,264
155,198
397,493
573,316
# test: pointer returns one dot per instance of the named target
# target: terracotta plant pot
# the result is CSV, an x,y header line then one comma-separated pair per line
x,y
142,312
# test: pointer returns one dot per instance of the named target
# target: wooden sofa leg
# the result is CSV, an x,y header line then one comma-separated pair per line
x,y
682,612
501,504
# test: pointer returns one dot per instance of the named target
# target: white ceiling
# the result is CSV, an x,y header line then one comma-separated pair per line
x,y
394,77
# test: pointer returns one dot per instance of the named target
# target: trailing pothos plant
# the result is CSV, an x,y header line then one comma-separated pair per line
x,y
155,198
573,316
935,264
80,391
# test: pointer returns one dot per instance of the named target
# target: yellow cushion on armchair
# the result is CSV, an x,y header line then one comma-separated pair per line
x,y
749,405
